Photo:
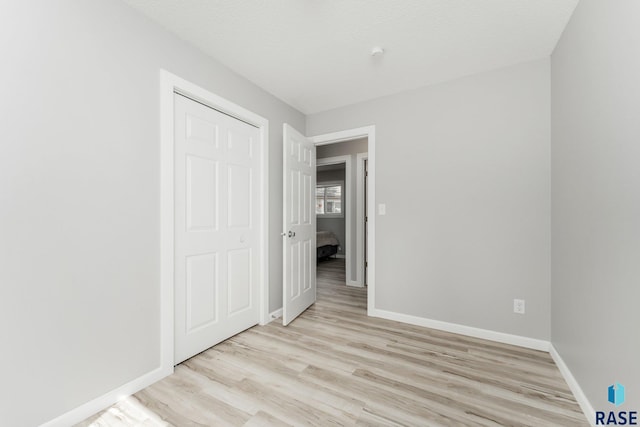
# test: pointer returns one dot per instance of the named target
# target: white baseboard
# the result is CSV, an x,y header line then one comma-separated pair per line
x,y
354,283
518,340
275,315
584,403
96,405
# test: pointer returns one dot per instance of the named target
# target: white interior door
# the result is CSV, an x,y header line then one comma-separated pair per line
x,y
299,235
217,227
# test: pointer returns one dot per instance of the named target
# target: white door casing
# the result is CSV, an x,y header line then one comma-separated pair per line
x,y
370,133
299,227
217,227
361,215
348,195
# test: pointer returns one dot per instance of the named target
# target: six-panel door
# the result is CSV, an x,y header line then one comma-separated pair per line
x,y
299,288
217,172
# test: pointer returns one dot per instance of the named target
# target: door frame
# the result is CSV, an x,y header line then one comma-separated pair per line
x,y
368,132
347,201
169,84
360,221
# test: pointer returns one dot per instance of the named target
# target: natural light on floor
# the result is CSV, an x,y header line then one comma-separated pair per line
x,y
128,412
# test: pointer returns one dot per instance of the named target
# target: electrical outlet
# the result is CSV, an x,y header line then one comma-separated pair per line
x,y
518,306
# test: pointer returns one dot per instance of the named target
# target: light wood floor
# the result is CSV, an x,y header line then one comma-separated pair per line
x,y
336,366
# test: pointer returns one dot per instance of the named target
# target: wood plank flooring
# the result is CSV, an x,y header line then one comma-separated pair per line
x,y
336,366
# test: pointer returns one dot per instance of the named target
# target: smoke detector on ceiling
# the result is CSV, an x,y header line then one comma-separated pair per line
x,y
377,51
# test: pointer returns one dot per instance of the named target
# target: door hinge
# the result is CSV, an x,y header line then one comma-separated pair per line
x,y
366,264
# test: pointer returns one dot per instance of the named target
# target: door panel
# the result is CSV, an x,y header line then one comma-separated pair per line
x,y
299,288
202,290
240,279
295,198
202,188
239,196
294,279
201,130
308,193
240,143
306,265
216,227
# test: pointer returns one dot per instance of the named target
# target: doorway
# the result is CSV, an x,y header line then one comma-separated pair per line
x,y
359,197
337,197
333,209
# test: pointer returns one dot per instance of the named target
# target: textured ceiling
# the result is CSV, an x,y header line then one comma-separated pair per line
x,y
315,54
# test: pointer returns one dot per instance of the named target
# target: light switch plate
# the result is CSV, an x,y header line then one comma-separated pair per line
x,y
382,209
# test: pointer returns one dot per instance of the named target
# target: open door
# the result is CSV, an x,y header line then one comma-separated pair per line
x,y
299,229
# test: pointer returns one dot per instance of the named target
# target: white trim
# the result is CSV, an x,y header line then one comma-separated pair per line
x,y
166,220
360,158
455,328
98,404
343,135
354,284
171,83
581,398
368,132
347,202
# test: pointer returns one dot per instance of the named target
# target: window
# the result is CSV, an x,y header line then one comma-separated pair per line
x,y
330,199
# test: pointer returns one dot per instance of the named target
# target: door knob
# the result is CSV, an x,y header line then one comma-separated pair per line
x,y
292,233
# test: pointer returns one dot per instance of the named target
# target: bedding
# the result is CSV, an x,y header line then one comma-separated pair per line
x,y
326,238
326,244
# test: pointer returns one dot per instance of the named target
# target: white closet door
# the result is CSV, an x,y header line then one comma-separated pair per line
x,y
217,224
299,289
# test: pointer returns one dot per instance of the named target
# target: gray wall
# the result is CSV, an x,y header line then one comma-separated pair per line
x,y
348,148
79,197
335,225
595,81
463,168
